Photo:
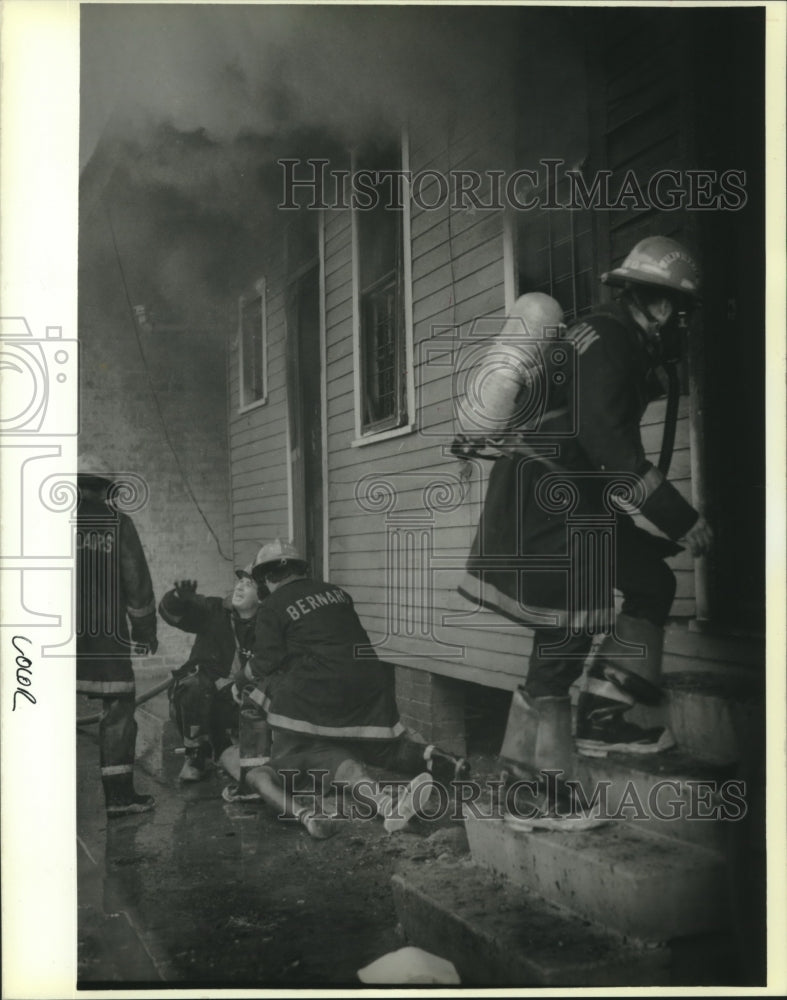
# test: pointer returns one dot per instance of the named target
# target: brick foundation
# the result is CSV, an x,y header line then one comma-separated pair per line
x,y
432,707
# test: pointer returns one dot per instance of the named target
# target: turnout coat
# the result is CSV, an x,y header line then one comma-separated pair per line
x,y
314,669
224,641
113,589
535,541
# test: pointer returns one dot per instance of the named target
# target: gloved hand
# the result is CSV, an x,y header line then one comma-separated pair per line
x,y
464,446
699,538
147,648
185,589
186,670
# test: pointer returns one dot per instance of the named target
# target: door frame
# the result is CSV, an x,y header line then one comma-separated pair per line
x,y
296,489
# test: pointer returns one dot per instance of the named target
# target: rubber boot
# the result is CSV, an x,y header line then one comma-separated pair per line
x,y
631,659
254,738
444,766
120,797
196,762
538,747
538,736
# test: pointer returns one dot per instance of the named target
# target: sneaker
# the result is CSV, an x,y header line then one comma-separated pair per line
x,y
233,793
597,738
406,806
445,767
135,804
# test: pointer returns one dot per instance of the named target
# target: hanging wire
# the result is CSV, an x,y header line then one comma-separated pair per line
x,y
154,394
465,467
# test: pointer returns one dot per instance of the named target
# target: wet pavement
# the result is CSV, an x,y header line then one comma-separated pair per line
x,y
201,892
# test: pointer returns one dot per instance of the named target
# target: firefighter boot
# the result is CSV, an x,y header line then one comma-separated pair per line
x,y
254,739
538,750
631,659
120,797
601,726
626,670
444,766
196,762
537,736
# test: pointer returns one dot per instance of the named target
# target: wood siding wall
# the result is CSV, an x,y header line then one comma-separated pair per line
x,y
258,437
458,274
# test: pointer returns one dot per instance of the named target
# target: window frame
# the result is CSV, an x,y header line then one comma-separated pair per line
x,y
516,220
384,429
260,292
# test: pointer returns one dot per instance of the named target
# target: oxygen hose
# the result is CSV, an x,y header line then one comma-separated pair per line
x,y
88,720
670,418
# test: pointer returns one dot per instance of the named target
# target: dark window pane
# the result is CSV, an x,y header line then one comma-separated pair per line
x,y
252,353
382,319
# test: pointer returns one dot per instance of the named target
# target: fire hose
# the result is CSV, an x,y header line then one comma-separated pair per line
x,y
88,720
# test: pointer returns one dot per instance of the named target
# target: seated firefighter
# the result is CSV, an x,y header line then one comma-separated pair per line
x,y
329,701
201,696
545,481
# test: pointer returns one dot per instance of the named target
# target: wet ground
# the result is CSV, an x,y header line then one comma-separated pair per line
x,y
201,892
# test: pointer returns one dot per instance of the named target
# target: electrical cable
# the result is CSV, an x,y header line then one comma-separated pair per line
x,y
154,394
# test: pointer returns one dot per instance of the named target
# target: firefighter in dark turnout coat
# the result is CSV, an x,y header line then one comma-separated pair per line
x,y
329,706
588,444
113,589
201,699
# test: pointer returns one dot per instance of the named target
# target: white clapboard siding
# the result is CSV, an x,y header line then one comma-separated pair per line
x,y
457,276
257,438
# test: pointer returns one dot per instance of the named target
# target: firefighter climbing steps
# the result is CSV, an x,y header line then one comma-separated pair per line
x,y
654,897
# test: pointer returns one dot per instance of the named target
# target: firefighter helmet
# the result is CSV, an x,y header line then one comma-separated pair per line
x,y
660,262
92,466
277,552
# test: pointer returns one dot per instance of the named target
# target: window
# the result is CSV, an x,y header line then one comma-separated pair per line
x,y
555,250
253,348
382,339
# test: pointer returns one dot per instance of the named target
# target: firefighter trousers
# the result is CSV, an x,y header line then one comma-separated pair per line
x,y
204,711
648,588
117,737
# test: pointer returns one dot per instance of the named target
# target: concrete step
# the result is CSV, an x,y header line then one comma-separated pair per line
x,y
498,935
672,794
714,718
650,888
